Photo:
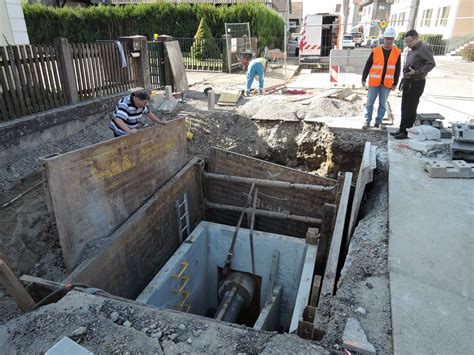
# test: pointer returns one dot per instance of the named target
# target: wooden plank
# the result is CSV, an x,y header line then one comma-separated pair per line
x,y
4,114
98,69
116,70
27,103
95,70
315,290
104,68
19,90
56,65
15,103
83,69
41,79
143,244
177,66
305,286
112,180
108,63
330,274
327,228
51,75
14,287
6,94
46,78
363,178
13,82
80,74
29,78
35,79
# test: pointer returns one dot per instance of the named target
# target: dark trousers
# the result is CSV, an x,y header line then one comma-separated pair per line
x,y
412,91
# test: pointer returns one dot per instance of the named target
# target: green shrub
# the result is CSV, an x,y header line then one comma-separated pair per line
x,y
180,21
204,46
468,53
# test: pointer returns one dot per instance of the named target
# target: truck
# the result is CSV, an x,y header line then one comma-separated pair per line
x,y
320,33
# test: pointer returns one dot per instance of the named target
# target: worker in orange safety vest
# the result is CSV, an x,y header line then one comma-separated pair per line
x,y
383,70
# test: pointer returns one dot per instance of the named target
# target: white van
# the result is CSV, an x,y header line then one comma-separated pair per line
x,y
348,41
320,34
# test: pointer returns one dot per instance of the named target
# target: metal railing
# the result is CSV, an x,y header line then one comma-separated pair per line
x,y
205,54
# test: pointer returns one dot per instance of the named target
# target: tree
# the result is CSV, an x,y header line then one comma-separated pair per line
x,y
204,46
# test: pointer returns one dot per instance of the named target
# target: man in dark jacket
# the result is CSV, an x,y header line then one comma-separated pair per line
x,y
418,64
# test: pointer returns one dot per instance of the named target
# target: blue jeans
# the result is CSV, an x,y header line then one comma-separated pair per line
x,y
382,92
254,69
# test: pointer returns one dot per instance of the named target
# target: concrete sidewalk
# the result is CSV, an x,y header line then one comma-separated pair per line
x,y
431,258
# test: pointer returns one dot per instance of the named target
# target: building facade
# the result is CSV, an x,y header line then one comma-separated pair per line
x,y
296,15
12,23
371,13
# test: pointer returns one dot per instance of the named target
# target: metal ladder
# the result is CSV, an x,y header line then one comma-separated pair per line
x,y
183,226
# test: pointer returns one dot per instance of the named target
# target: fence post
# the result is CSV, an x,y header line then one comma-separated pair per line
x,y
144,65
66,70
226,54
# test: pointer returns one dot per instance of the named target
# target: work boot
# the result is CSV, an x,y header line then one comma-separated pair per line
x,y
395,133
247,94
366,125
377,125
401,135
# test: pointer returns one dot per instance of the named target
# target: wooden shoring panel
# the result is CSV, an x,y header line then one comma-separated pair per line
x,y
93,190
303,203
329,280
143,244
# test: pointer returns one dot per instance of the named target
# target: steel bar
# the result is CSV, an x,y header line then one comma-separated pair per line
x,y
269,183
264,213
252,224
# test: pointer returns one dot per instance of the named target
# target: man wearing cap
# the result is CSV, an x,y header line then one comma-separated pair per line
x,y
257,69
383,70
128,113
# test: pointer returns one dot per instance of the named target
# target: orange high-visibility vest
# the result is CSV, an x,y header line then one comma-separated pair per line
x,y
375,73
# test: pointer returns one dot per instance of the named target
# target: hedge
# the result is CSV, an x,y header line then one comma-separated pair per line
x,y
101,22
434,41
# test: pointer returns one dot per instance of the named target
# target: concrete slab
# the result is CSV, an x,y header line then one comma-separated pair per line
x,y
354,338
430,258
428,320
321,80
67,346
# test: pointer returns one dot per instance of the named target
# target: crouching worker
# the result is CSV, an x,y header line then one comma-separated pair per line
x,y
128,113
257,69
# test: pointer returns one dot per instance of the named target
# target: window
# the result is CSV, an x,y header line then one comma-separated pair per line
x,y
438,17
444,16
401,20
427,17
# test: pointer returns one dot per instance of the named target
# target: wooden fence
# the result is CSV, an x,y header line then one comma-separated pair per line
x,y
29,80
42,77
98,70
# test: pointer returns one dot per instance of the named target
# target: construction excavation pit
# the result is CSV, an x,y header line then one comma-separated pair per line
x,y
187,247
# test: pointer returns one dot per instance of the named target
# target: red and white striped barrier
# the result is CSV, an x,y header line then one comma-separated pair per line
x,y
333,73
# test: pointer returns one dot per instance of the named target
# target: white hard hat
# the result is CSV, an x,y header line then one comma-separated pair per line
x,y
390,33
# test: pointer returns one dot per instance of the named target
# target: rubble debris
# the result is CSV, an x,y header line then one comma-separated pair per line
x,y
354,338
361,311
114,316
424,133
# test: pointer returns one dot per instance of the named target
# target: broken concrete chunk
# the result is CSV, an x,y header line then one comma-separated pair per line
x,y
79,331
114,316
360,310
127,324
354,338
182,327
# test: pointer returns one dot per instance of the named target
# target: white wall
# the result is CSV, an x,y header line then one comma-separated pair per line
x,y
435,27
12,23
